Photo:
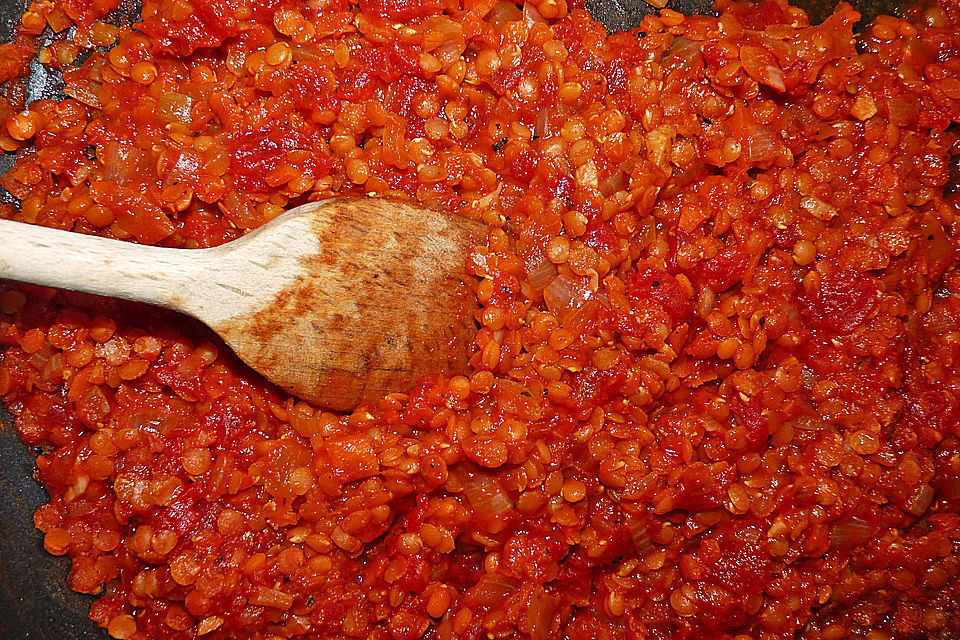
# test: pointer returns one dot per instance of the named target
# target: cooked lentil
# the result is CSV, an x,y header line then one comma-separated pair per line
x,y
715,387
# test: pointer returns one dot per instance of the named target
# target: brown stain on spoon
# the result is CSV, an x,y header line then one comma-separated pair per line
x,y
383,301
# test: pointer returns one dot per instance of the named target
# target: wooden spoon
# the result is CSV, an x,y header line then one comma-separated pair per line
x,y
337,302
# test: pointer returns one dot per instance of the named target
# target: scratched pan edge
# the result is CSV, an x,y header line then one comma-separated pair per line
x,y
35,602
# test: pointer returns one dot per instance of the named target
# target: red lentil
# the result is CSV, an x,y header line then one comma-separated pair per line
x,y
715,387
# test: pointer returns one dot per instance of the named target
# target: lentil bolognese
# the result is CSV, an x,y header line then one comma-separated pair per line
x,y
715,383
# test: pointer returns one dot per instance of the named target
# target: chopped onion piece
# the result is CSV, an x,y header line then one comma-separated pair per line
x,y
851,533
491,590
487,497
682,54
85,91
239,210
504,12
818,208
761,144
531,16
762,67
174,107
122,161
541,126
186,167
542,613
309,52
449,52
641,538
540,271
920,500
564,295
612,183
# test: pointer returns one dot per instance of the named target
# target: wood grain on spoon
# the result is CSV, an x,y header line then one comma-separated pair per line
x,y
337,302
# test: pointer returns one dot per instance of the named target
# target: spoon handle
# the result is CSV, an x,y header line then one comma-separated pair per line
x,y
80,262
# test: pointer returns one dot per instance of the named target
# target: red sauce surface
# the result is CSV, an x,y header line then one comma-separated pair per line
x,y
714,388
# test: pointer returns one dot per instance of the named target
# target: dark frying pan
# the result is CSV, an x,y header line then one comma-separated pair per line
x,y
35,602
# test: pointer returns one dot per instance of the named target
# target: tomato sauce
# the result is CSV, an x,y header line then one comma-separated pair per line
x,y
714,386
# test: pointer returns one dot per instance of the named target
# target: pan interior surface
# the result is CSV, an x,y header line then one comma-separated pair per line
x,y
35,602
